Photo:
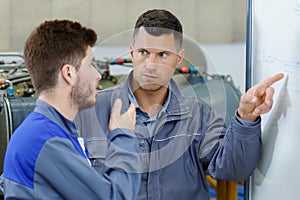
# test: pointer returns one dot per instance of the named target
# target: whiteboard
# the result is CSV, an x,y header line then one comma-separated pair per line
x,y
275,47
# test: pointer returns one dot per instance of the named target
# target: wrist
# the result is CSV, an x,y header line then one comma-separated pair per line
x,y
249,117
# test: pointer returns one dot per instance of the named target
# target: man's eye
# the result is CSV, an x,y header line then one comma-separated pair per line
x,y
163,54
143,52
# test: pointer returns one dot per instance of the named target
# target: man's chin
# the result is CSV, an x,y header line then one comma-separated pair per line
x,y
87,105
151,87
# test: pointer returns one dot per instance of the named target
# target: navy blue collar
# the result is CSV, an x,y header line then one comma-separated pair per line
x,y
50,112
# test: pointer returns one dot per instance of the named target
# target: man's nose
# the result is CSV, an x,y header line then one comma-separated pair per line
x,y
98,75
152,59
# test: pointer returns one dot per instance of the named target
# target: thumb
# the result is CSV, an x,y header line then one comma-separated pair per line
x,y
132,112
117,107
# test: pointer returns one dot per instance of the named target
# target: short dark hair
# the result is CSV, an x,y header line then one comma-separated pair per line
x,y
53,44
157,22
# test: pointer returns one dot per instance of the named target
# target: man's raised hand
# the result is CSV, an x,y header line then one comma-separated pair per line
x,y
127,120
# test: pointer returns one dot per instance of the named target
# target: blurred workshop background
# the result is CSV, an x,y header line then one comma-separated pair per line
x,y
220,26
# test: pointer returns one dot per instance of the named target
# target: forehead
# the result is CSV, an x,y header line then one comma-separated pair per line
x,y
164,42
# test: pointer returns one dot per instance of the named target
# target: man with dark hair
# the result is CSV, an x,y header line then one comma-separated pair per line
x,y
181,139
46,158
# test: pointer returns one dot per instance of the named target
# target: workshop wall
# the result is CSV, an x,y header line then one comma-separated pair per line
x,y
206,21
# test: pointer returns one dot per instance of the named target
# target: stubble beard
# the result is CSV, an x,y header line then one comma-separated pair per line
x,y
82,96
151,88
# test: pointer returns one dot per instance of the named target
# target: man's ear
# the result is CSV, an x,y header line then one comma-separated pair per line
x,y
131,51
180,56
68,74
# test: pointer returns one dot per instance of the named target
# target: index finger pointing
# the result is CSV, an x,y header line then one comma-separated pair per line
x,y
271,80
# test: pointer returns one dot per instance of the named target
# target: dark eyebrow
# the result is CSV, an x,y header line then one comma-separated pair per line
x,y
141,49
163,51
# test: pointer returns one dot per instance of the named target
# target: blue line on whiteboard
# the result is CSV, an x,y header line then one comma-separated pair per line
x,y
297,11
278,61
296,6
290,67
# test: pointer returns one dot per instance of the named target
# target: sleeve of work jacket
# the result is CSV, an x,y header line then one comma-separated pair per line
x,y
229,154
74,178
62,173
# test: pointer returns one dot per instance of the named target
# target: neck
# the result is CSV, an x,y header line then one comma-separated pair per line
x,y
151,102
61,102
